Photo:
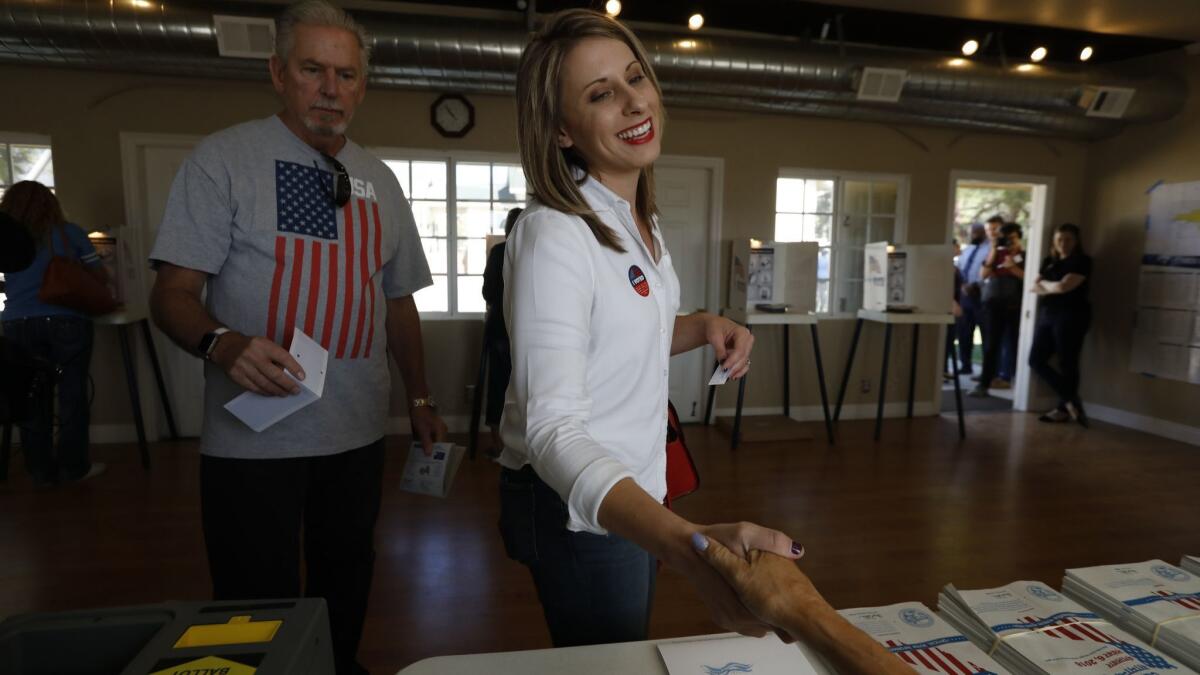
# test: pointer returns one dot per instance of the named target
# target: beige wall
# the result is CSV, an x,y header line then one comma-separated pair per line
x,y
84,112
1119,173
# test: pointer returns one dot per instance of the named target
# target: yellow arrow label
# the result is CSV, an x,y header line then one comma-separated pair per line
x,y
209,665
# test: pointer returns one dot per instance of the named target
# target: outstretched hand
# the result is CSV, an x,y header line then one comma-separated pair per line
x,y
771,586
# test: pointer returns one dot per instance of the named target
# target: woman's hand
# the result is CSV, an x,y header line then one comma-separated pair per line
x,y
732,344
772,587
746,539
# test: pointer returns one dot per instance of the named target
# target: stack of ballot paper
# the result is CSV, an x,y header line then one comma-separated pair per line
x,y
729,655
1030,628
1156,601
1191,563
922,640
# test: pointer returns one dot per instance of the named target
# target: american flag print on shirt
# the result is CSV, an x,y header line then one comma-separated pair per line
x,y
934,660
322,284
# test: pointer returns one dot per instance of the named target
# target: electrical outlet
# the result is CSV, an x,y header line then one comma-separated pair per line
x,y
865,386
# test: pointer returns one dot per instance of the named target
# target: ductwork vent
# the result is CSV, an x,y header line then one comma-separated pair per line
x,y
244,36
881,84
1106,101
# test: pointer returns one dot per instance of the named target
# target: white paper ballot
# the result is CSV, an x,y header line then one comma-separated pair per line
x,y
259,412
432,475
719,376
729,656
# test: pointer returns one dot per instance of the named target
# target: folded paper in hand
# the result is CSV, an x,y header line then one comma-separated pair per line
x,y
260,412
434,474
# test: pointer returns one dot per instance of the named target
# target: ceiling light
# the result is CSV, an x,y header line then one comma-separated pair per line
x,y
970,47
696,21
612,7
1026,67
142,4
958,63
686,44
1038,54
1086,53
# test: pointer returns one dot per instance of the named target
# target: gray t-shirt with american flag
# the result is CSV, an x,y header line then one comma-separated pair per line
x,y
253,207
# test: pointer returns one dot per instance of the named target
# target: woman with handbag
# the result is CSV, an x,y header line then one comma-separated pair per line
x,y
1003,276
59,336
591,302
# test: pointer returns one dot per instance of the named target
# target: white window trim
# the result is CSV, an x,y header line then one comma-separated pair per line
x,y
22,138
900,233
452,158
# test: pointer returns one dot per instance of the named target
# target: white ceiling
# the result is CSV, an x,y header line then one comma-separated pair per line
x,y
1172,19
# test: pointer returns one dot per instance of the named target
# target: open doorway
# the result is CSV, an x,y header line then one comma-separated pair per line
x,y
1027,201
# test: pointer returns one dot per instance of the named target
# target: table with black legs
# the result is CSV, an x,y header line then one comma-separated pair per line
x,y
784,320
889,319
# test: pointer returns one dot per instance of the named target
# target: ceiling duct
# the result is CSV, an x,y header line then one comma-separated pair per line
x,y
443,49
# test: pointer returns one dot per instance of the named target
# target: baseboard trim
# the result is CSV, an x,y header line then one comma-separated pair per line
x,y
1151,425
859,411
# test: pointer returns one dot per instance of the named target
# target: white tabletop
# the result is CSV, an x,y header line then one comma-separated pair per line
x,y
905,317
624,657
754,318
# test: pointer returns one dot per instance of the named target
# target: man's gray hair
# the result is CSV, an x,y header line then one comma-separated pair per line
x,y
317,13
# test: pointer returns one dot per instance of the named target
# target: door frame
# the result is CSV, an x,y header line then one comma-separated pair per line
x,y
712,276
1024,395
132,143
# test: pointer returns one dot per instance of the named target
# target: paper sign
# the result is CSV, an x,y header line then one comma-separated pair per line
x,y
260,412
433,474
725,656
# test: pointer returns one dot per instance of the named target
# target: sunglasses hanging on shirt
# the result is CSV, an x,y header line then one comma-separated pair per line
x,y
341,182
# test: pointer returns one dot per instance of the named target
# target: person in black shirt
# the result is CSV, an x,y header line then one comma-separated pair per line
x,y
495,335
1062,322
1003,273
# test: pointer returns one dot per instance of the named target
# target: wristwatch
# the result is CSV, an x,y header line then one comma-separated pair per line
x,y
425,402
208,343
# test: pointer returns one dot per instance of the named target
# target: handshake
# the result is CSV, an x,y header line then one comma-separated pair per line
x,y
779,597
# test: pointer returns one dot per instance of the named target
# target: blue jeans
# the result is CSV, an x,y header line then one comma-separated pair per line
x,y
65,341
594,589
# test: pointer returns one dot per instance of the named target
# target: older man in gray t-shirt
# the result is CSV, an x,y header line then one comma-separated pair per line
x,y
291,226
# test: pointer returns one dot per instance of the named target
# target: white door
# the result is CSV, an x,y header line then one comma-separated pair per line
x,y
684,199
152,162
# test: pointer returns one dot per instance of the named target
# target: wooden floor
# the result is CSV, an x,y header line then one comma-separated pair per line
x,y
882,523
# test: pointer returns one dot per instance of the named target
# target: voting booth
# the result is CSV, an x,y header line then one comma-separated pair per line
x,y
773,273
909,278
266,637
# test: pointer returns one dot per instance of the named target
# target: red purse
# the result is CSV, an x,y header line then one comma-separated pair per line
x,y
67,283
682,477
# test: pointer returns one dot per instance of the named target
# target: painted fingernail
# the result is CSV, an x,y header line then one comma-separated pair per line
x,y
699,541
797,549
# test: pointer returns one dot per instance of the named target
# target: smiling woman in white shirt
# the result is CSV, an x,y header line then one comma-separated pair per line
x,y
591,302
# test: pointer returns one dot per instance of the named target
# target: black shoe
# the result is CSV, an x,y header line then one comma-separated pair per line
x,y
1075,410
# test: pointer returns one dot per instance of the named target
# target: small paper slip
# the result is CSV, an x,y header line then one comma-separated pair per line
x,y
728,656
259,412
434,474
719,376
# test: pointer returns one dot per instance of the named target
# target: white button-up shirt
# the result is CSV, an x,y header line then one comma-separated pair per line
x,y
591,333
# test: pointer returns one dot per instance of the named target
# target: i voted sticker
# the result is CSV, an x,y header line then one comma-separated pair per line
x,y
638,280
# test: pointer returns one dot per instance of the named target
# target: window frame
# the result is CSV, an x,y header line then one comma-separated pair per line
x,y
452,158
22,138
899,233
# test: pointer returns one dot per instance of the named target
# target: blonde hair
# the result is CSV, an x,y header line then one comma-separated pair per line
x,y
549,169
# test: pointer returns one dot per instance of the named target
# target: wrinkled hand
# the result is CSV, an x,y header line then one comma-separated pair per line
x,y
256,364
726,609
732,344
772,587
427,428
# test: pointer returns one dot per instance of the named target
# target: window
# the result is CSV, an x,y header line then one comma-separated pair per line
x,y
842,213
457,202
24,157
